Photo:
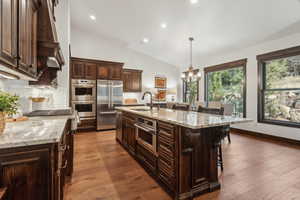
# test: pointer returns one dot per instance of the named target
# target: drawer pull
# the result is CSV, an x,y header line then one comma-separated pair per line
x,y
63,148
65,165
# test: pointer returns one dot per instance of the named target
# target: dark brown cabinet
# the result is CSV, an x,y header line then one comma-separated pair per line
x,y
110,71
103,72
82,68
37,172
132,80
18,42
27,51
26,174
128,131
78,71
8,32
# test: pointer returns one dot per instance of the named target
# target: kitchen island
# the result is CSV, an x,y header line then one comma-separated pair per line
x,y
36,157
177,148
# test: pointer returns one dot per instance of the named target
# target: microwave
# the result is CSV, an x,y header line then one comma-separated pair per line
x,y
83,90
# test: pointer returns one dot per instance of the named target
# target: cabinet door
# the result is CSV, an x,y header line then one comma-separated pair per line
x,y
127,82
26,174
131,136
115,72
103,72
8,31
28,36
78,70
90,71
136,81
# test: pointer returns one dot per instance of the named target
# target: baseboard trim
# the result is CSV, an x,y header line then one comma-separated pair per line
x,y
273,138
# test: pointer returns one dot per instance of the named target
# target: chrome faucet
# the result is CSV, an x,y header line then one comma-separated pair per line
x,y
151,98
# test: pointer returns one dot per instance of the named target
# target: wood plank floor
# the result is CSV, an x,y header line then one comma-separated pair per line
x,y
254,170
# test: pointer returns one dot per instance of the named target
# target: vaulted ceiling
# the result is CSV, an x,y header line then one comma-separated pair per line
x,y
218,26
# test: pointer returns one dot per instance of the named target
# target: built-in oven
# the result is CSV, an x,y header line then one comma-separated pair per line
x,y
146,134
83,90
85,109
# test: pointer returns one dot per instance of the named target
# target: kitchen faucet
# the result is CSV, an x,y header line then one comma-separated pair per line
x,y
151,98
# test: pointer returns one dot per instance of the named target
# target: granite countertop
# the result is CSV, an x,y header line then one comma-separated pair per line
x,y
35,131
188,119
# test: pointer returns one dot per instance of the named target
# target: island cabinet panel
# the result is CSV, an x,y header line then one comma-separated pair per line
x,y
8,31
167,155
26,174
185,163
128,131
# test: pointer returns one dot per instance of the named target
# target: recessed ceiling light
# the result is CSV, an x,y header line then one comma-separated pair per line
x,y
93,17
145,40
163,25
194,1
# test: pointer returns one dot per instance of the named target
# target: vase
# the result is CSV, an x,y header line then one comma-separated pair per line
x,y
2,122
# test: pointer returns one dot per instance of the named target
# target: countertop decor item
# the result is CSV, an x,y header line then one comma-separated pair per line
x,y
160,82
8,106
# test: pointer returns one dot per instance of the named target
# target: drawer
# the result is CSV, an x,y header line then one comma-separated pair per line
x,y
147,158
168,143
166,166
166,134
164,151
167,180
166,130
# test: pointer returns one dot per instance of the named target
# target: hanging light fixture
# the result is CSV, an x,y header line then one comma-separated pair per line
x,y
191,74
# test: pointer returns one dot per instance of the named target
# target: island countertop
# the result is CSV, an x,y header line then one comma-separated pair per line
x,y
188,119
35,131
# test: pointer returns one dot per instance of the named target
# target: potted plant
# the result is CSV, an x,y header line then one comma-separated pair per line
x,y
8,106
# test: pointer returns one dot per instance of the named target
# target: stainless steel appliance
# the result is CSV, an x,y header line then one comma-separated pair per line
x,y
109,96
146,134
83,90
85,109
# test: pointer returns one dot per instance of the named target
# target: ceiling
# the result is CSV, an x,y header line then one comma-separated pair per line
x,y
218,26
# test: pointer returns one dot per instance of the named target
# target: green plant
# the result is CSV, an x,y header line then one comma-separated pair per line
x,y
8,103
192,91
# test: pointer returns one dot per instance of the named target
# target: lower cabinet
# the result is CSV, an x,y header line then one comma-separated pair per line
x,y
146,158
128,130
37,172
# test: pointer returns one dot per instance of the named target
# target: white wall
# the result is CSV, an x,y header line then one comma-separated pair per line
x,y
93,46
252,76
61,94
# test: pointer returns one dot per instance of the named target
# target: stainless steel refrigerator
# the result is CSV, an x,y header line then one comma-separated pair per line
x,y
109,96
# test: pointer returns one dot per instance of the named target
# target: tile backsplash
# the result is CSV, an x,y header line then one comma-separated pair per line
x,y
25,91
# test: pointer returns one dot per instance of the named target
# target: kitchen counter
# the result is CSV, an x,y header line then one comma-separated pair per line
x,y
35,131
188,119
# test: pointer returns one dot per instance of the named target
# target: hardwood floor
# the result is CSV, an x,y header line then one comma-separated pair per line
x,y
254,170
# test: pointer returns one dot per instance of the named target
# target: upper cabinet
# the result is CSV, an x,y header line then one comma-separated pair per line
x,y
28,38
82,68
8,32
132,80
18,42
109,71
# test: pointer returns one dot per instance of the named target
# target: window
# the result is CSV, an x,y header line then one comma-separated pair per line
x,y
279,87
226,83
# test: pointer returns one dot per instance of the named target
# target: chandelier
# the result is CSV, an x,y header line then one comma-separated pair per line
x,y
191,74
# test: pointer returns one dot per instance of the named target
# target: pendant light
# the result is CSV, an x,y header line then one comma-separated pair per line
x,y
190,75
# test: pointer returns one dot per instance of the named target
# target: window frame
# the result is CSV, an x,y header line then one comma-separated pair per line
x,y
225,66
261,64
